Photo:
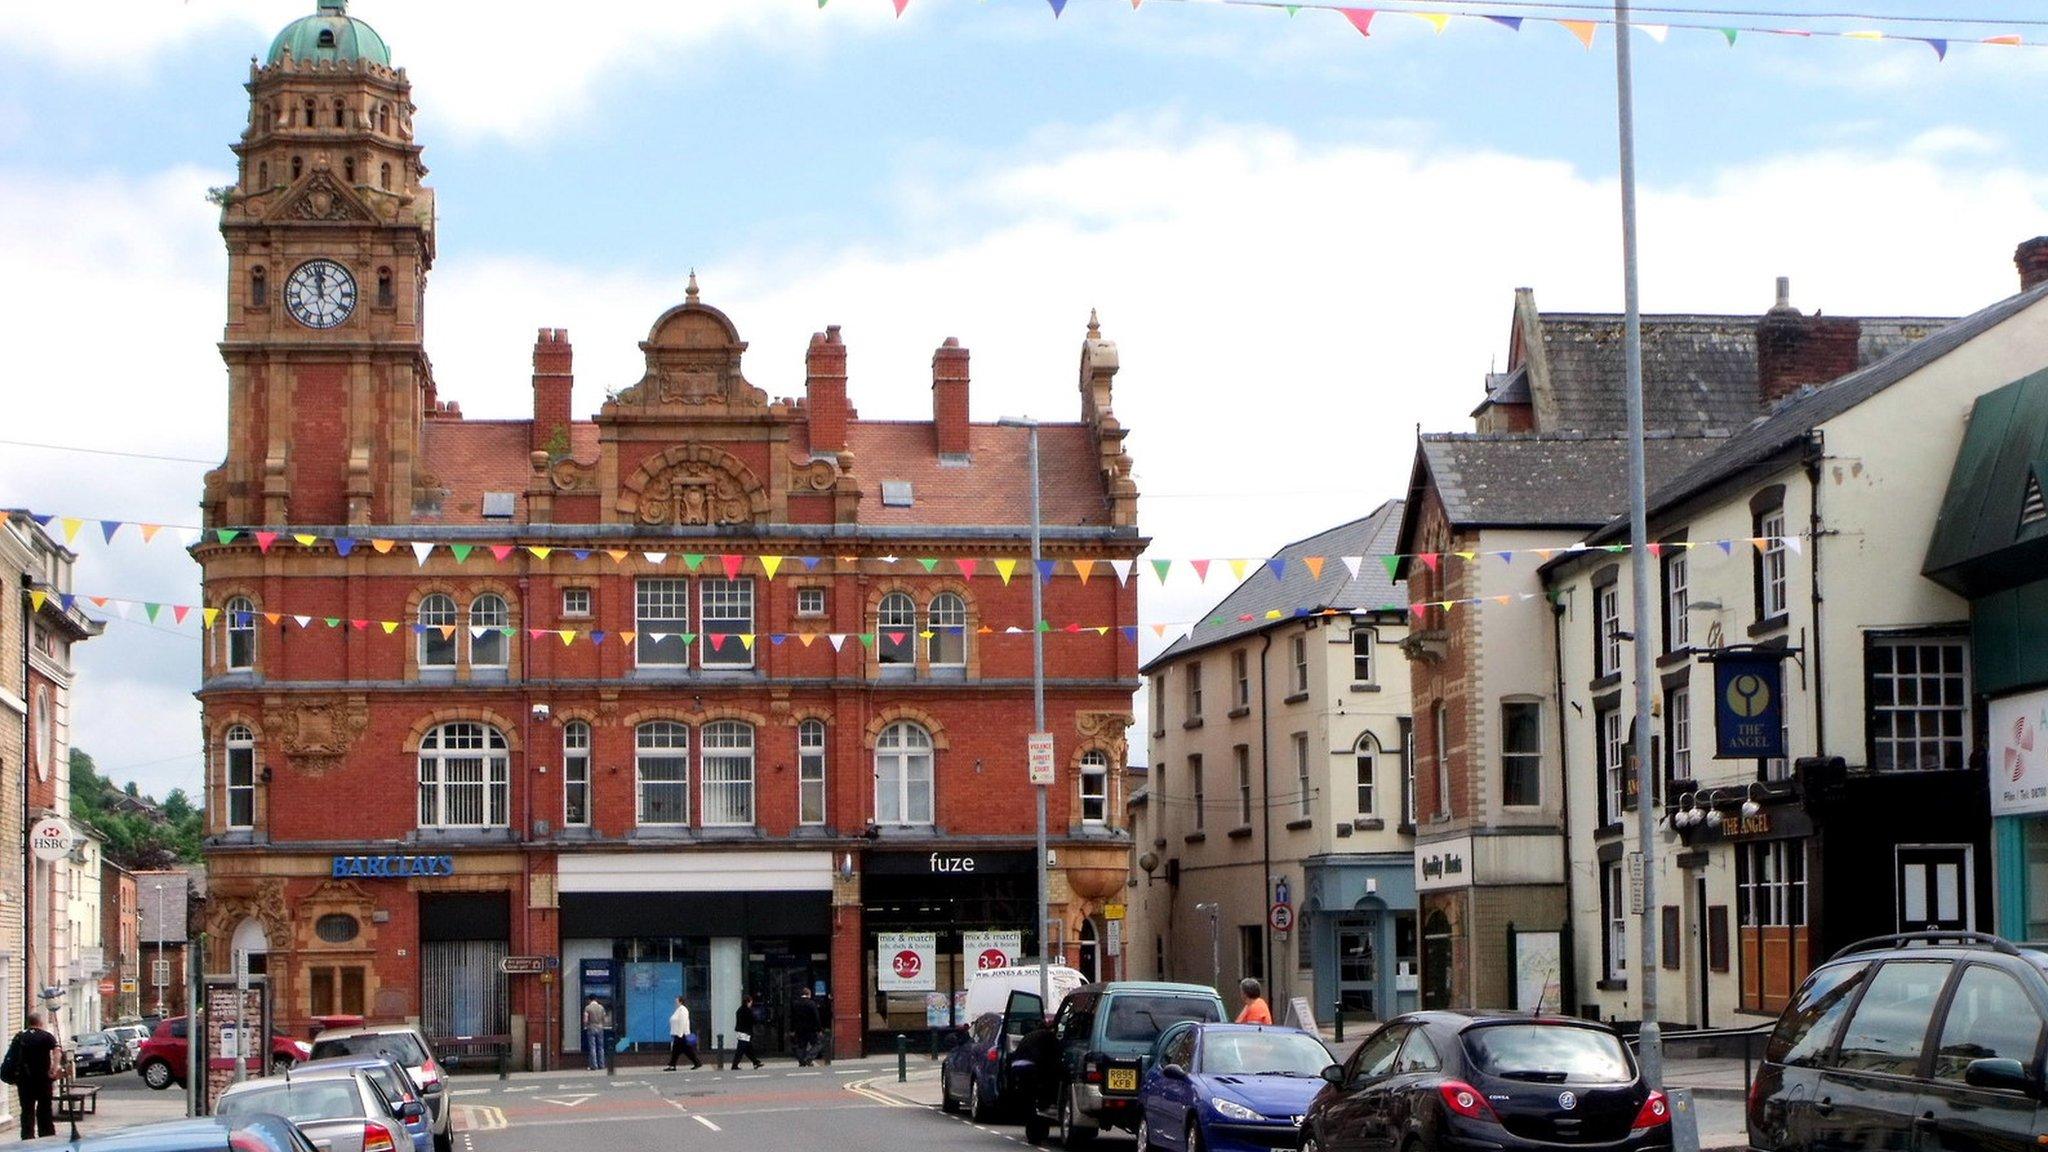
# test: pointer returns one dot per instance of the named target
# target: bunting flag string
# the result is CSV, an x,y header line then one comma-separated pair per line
x,y
771,565
1585,27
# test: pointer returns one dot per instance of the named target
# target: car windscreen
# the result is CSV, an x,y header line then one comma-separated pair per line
x,y
1549,1054
400,1046
298,1102
1141,1016
1263,1053
385,1077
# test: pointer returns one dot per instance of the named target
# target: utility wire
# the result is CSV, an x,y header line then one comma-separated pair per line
x,y
107,452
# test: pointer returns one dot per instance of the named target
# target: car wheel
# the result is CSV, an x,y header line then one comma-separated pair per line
x,y
1034,1128
157,1075
1144,1135
1194,1141
948,1103
444,1141
977,1108
1309,1143
1073,1133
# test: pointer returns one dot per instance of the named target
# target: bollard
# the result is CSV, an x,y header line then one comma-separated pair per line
x,y
1340,1025
935,1044
719,1051
611,1055
902,1058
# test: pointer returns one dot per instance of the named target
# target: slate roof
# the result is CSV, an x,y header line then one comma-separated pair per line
x,y
468,458
1979,542
1370,537
1800,414
167,915
1544,480
1699,371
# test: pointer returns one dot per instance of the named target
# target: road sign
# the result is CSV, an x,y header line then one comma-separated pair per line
x,y
1281,917
1040,755
107,987
1112,911
127,985
525,965
1282,894
1116,938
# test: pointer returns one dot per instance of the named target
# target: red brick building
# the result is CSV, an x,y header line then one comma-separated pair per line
x,y
788,718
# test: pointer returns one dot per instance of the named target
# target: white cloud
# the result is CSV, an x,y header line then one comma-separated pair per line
x,y
1287,313
458,52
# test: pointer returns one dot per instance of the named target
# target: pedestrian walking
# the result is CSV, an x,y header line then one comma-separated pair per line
x,y
680,1041
1255,1010
804,1025
743,1024
597,1021
33,1064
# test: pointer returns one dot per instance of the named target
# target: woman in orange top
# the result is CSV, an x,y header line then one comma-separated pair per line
x,y
1255,1010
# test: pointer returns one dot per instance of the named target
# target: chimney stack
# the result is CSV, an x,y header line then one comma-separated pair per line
x,y
949,399
1795,350
2031,257
553,380
825,391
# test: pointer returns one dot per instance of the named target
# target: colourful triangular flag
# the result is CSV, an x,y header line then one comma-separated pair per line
x,y
1005,568
1361,19
422,550
770,564
1582,30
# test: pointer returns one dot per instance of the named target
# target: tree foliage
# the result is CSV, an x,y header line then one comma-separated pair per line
x,y
140,833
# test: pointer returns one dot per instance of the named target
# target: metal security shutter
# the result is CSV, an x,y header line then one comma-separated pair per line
x,y
462,990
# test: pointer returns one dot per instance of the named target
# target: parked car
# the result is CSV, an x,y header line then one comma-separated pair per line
x,y
394,1082
131,1037
339,1110
1228,1087
1105,1034
1926,1040
161,1062
408,1047
975,1074
1495,1080
98,1052
257,1133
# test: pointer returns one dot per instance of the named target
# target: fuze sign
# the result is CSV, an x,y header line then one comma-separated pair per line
x,y
374,866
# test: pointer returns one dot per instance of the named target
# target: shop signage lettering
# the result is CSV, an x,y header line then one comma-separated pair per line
x,y
1749,708
375,866
1438,865
1757,825
943,863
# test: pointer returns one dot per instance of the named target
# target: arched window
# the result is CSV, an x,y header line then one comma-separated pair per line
x,y
240,614
348,169
298,166
385,295
259,287
576,774
948,623
810,772
437,631
1365,755
252,945
384,118
384,176
903,775
238,775
1095,787
488,620
340,106
464,769
896,629
662,763
312,110
263,175
727,772
327,41
1091,950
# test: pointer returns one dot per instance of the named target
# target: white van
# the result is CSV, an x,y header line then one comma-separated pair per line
x,y
989,990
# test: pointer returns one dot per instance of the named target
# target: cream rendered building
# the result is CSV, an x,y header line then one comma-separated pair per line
x,y
1278,770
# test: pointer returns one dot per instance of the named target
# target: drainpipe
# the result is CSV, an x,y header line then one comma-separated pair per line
x,y
1816,452
1265,813
28,875
1567,980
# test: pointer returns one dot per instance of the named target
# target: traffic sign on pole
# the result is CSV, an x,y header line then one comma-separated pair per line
x,y
1040,746
1281,917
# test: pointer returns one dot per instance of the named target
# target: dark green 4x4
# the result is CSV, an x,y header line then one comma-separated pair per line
x,y
1923,1042
1105,1034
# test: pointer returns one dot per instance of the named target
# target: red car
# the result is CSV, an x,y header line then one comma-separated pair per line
x,y
161,1062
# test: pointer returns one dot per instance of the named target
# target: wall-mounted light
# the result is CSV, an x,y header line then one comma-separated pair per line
x,y
1750,807
541,711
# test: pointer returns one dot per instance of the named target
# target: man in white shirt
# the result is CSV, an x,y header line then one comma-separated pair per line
x,y
680,1041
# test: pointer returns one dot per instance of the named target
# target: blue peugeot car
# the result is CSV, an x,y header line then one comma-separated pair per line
x,y
1229,1087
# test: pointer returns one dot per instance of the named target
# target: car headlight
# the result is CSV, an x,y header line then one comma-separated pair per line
x,y
1234,1110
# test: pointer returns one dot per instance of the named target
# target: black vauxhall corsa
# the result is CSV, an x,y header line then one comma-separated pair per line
x,y
1922,1042
1473,1081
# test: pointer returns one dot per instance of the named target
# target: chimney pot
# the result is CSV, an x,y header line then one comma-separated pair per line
x,y
553,383
2031,257
825,391
949,398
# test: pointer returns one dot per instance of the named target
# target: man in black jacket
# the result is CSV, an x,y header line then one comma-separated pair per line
x,y
804,1026
744,1022
33,1057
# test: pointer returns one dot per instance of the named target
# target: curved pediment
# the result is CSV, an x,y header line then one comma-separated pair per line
x,y
693,363
694,485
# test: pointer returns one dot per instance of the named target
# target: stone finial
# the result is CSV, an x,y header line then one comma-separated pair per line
x,y
690,293
1094,325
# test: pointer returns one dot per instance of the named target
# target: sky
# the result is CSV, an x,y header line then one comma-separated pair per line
x,y
1305,242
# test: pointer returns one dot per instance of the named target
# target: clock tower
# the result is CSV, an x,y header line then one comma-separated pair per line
x,y
330,233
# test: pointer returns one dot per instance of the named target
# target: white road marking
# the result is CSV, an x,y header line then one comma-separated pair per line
x,y
753,1076
707,1123
569,1101
794,1075
471,1092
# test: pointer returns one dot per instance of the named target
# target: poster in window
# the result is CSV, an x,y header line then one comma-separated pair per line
x,y
905,961
2019,754
1538,962
981,951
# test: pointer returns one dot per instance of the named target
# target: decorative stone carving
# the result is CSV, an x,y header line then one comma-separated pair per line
x,y
315,734
816,476
323,199
694,485
572,475
1105,730
263,902
693,361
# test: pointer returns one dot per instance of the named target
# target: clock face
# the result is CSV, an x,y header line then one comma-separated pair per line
x,y
320,294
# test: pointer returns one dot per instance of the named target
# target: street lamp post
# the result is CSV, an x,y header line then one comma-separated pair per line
x,y
1038,701
157,970
1215,912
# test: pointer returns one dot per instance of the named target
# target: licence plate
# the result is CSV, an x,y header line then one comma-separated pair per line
x,y
1123,1079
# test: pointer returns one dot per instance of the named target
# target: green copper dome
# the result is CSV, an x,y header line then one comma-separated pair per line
x,y
330,34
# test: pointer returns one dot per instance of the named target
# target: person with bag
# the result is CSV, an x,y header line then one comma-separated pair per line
x,y
805,1025
744,1022
680,1041
34,1063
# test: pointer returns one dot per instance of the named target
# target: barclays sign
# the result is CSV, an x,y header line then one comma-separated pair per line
x,y
392,867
